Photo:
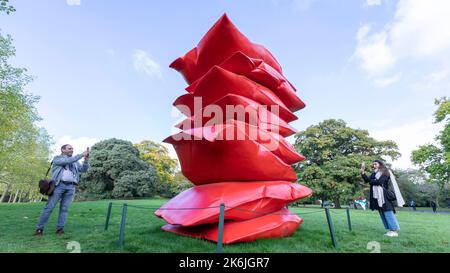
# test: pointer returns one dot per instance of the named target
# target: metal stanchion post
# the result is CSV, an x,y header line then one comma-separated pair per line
x,y
221,223
108,215
122,225
330,226
348,219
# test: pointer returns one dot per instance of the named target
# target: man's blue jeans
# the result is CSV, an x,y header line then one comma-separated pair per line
x,y
389,220
62,192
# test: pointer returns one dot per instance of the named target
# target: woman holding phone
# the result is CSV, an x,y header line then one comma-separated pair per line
x,y
379,192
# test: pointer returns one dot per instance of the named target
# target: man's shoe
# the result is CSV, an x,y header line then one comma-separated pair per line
x,y
391,234
60,231
38,232
394,234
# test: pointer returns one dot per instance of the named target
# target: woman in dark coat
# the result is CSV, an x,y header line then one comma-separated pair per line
x,y
379,181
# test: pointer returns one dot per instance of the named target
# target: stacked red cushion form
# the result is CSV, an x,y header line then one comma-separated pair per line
x,y
240,159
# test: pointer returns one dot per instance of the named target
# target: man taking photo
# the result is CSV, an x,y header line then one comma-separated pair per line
x,y
66,173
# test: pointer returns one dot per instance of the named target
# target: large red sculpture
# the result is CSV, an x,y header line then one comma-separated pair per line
x,y
241,200
278,224
232,144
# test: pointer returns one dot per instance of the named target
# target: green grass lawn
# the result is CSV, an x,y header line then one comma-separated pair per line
x,y
440,209
420,232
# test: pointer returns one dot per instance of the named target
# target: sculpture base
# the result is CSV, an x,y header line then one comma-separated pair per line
x,y
279,224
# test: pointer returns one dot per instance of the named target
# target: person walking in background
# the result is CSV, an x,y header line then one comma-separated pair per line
x,y
66,174
413,205
378,181
433,206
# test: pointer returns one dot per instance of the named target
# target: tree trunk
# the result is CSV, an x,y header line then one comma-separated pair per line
x,y
20,197
15,196
30,197
4,193
436,196
10,197
337,204
27,197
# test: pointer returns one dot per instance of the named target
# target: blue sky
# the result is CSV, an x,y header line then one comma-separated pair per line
x,y
101,67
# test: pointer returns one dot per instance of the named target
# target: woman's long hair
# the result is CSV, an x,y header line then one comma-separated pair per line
x,y
383,169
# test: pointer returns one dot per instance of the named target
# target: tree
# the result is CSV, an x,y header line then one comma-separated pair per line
x,y
413,186
157,156
178,184
25,166
135,184
24,147
333,154
434,160
117,171
4,7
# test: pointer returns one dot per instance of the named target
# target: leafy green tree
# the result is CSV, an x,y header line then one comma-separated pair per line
x,y
158,156
413,185
17,108
181,183
333,154
116,163
24,147
434,160
25,166
135,184
5,7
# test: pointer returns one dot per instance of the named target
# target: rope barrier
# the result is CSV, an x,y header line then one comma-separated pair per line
x,y
335,212
160,208
319,210
259,212
222,207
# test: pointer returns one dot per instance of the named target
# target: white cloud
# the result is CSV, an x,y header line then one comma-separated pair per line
x,y
144,63
375,55
438,75
408,137
383,82
434,84
419,30
73,2
373,2
79,144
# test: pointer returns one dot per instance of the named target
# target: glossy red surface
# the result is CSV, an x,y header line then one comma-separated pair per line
x,y
279,224
243,109
219,43
219,82
262,73
242,161
244,201
207,156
